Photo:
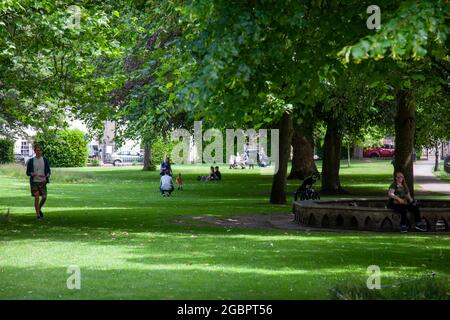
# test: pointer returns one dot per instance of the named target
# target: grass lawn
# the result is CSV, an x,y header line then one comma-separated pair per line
x,y
441,173
114,224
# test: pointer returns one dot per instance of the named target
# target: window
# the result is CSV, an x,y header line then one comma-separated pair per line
x,y
25,148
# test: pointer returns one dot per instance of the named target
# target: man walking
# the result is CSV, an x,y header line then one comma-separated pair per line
x,y
38,169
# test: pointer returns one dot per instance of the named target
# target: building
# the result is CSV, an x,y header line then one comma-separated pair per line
x,y
101,149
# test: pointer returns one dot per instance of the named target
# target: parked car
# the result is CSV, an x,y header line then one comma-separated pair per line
x,y
121,158
386,151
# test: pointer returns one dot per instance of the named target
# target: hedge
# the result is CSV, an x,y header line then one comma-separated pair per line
x,y
6,151
64,148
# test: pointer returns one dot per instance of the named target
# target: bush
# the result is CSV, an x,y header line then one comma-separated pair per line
x,y
6,151
161,148
64,148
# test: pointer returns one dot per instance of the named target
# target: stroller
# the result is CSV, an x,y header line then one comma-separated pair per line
x,y
306,190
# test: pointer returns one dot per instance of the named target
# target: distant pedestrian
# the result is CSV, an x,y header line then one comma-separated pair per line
x,y
209,177
38,169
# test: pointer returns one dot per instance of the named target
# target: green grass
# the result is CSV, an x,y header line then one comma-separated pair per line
x,y
441,173
113,224
427,287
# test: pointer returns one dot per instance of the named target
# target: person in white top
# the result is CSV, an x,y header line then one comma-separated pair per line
x,y
38,169
232,161
166,184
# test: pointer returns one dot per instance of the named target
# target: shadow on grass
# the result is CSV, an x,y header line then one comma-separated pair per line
x,y
163,281
171,270
147,238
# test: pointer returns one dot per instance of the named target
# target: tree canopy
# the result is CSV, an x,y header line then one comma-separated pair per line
x,y
153,66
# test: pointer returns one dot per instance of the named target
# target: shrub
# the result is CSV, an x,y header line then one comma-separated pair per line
x,y
6,151
161,148
64,148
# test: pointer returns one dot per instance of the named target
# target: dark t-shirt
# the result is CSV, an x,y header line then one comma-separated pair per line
x,y
218,175
399,190
165,166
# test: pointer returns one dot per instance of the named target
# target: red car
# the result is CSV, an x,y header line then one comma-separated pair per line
x,y
386,151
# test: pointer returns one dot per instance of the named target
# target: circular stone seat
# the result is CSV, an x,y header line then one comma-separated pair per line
x,y
367,214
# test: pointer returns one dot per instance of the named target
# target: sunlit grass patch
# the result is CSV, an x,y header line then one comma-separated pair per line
x,y
113,223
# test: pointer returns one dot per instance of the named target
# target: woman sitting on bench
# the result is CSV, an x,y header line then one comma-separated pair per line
x,y
401,202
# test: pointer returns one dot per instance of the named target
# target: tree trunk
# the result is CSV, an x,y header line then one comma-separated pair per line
x,y
358,152
348,155
405,126
331,159
147,157
278,193
303,164
436,158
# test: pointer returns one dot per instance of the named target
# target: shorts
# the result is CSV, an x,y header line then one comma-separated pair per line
x,y
39,189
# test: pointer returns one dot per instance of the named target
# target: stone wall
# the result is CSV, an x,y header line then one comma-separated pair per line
x,y
371,214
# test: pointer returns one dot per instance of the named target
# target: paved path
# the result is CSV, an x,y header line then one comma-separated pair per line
x,y
424,177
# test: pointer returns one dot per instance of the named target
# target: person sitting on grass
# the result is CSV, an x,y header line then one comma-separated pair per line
x,y
180,182
262,158
232,162
240,161
209,177
38,169
166,184
212,175
401,202
165,166
217,174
